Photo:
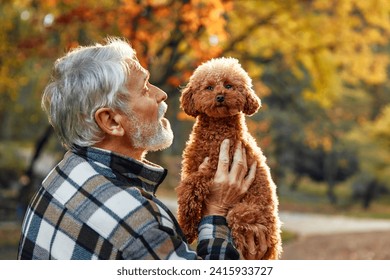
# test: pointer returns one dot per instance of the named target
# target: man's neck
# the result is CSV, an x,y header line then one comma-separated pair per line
x,y
124,150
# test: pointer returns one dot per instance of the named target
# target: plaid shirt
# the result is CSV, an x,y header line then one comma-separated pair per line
x,y
98,205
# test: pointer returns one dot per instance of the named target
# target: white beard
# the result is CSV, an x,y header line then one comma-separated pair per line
x,y
152,136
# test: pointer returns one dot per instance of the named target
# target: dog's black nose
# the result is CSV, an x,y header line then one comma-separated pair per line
x,y
220,98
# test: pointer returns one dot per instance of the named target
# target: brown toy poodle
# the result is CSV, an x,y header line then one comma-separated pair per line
x,y
219,94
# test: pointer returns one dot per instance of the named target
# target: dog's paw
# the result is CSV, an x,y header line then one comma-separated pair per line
x,y
256,245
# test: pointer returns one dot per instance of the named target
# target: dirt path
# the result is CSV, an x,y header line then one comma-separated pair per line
x,y
323,237
342,246
305,224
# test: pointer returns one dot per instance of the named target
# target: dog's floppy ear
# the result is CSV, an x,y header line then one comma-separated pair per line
x,y
253,102
186,101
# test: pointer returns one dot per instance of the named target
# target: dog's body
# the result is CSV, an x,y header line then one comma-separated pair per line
x,y
219,94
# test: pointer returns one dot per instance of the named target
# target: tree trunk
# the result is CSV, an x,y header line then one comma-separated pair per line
x,y
27,188
330,175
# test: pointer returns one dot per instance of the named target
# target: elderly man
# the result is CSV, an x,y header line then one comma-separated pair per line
x,y
99,201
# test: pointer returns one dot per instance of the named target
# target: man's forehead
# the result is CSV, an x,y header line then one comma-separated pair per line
x,y
142,74
146,74
138,70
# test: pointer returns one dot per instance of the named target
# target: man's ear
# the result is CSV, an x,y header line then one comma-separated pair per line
x,y
109,121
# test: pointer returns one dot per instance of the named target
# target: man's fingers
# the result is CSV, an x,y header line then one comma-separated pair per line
x,y
245,166
252,251
250,177
239,162
256,242
263,245
223,161
204,165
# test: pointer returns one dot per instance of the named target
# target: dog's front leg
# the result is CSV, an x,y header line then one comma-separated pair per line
x,y
192,193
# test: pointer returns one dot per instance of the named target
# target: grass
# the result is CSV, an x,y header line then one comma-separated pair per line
x,y
9,236
288,236
311,197
9,241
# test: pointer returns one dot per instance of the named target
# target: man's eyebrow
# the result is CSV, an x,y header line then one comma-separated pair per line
x,y
146,75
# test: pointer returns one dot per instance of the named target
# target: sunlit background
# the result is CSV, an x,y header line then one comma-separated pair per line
x,y
320,67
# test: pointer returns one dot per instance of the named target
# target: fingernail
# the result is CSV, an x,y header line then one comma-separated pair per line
x,y
226,141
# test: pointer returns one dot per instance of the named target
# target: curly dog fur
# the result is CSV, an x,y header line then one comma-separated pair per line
x,y
219,94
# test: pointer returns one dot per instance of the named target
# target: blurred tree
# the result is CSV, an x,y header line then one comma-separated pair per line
x,y
372,139
333,49
307,139
338,43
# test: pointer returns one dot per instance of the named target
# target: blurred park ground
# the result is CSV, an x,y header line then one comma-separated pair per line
x,y
320,67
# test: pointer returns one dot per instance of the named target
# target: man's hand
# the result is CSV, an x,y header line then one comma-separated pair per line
x,y
256,235
229,186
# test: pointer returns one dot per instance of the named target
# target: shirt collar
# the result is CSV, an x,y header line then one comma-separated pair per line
x,y
147,174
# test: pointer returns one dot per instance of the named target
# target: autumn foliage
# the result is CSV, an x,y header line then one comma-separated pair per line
x,y
329,53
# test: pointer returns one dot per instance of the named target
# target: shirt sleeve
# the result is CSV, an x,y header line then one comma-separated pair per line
x,y
154,233
156,237
215,241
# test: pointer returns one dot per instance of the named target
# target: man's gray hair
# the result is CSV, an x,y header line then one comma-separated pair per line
x,y
84,80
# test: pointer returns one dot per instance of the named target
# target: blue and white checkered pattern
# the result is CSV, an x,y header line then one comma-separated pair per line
x,y
98,205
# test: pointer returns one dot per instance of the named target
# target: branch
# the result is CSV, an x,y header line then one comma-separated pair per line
x,y
247,32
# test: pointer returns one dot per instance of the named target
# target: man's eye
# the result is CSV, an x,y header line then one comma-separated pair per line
x,y
145,91
210,88
228,86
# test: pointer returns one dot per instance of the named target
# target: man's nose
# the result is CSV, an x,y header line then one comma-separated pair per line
x,y
160,94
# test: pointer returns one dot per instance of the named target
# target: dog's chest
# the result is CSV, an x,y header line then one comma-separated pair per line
x,y
207,136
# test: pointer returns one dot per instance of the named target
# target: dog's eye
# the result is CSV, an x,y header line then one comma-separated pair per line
x,y
210,88
228,86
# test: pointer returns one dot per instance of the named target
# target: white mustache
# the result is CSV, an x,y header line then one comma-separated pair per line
x,y
162,109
